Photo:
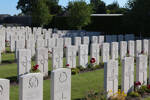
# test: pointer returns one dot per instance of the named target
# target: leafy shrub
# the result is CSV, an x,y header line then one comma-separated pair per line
x,y
134,94
74,71
81,68
93,95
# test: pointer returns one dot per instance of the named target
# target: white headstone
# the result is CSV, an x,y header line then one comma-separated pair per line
x,y
83,55
145,46
19,44
123,49
105,52
30,44
51,44
59,42
31,87
71,56
40,43
101,40
86,40
42,60
138,47
128,74
131,48
67,42
77,42
114,50
94,39
57,58
24,61
111,77
61,84
141,69
4,89
94,52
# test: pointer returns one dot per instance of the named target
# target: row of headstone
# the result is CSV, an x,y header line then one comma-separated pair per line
x,y
108,51
31,86
127,81
124,48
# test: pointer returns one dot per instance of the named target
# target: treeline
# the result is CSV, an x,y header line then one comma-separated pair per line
x,y
77,15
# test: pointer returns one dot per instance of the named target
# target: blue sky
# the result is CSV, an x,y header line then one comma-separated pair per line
x,y
9,6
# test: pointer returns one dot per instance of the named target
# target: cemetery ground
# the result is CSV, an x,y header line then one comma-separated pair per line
x,y
80,85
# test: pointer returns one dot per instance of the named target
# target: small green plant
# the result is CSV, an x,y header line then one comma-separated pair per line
x,y
93,95
81,68
74,71
119,95
97,66
92,64
134,94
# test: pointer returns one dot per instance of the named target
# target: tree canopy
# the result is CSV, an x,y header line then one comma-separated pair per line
x,y
79,14
138,16
99,7
40,13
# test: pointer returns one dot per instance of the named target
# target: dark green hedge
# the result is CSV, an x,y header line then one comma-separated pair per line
x,y
107,24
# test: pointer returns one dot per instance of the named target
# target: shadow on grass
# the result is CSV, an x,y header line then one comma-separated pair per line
x,y
80,99
13,80
8,61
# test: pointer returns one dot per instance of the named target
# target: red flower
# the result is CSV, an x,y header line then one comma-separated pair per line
x,y
35,67
137,83
6,40
67,65
65,47
142,52
148,86
92,60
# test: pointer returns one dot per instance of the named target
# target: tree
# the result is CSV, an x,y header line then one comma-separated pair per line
x,y
79,14
138,16
25,6
99,7
40,13
114,8
54,8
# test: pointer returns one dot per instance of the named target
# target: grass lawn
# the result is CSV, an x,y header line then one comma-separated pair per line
x,y
81,83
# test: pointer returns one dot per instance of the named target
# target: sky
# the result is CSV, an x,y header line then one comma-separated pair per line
x,y
9,6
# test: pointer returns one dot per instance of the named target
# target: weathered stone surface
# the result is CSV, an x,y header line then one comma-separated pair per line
x,y
24,61
111,77
71,56
128,74
42,60
105,52
141,69
4,89
83,55
31,87
61,84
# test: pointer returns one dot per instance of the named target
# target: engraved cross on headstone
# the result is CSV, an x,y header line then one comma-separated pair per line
x,y
143,69
84,55
25,63
113,75
58,59
43,61
72,58
129,74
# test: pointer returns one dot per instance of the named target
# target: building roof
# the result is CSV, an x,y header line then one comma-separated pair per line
x,y
106,14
